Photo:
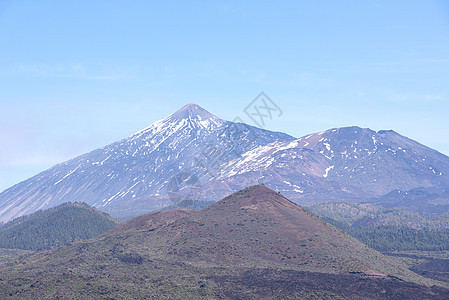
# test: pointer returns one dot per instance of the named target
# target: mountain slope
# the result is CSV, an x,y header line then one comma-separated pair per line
x,y
426,200
349,163
55,227
252,244
259,226
193,155
135,175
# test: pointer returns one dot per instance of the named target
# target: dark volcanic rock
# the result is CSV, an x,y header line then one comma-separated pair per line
x,y
253,244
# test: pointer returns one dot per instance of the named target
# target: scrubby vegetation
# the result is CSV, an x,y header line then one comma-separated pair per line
x,y
254,244
388,238
385,229
350,213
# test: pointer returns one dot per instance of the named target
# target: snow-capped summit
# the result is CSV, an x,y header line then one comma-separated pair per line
x,y
132,176
189,117
136,175
195,112
349,163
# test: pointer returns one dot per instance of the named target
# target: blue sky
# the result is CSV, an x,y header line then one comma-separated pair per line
x,y
77,76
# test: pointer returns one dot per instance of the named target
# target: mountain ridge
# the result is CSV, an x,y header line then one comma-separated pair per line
x,y
194,155
138,169
344,163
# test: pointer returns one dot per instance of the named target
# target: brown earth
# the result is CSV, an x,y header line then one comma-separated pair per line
x,y
252,244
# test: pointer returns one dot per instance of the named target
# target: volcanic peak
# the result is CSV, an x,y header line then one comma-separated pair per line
x,y
189,116
194,111
252,197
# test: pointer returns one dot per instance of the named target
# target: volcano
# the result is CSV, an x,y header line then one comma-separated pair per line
x,y
254,243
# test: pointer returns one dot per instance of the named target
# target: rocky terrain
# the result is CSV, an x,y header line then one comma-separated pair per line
x,y
252,244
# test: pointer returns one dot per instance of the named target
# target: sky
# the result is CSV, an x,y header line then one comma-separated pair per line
x,y
78,75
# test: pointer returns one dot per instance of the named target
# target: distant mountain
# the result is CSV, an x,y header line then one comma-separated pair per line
x,y
254,244
373,215
55,227
350,163
142,172
388,229
193,155
190,204
426,200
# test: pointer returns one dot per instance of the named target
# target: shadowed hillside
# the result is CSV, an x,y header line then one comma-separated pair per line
x,y
55,227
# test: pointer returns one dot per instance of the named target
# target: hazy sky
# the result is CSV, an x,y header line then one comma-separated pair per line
x,y
77,76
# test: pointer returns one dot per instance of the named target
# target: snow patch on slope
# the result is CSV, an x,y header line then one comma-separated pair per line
x,y
326,172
